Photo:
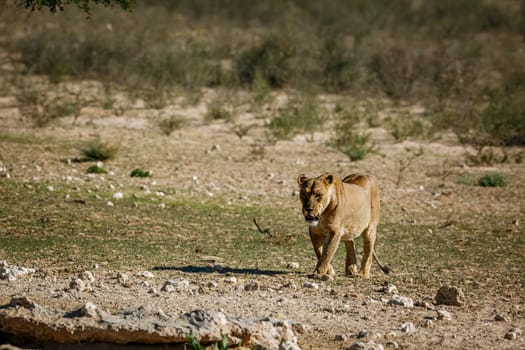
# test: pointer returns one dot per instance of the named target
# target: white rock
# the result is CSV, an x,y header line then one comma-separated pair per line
x,y
110,204
122,278
407,327
444,315
341,337
366,346
450,296
400,300
145,274
87,276
118,195
513,334
292,265
231,280
212,284
389,289
77,284
175,285
50,188
309,284
11,273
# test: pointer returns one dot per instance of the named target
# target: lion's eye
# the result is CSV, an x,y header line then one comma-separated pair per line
x,y
318,197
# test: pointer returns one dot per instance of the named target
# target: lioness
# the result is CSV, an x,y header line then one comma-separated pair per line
x,y
338,210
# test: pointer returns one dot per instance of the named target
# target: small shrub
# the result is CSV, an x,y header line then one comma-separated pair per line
x,y
301,115
169,125
493,180
140,173
270,59
348,139
96,149
95,169
395,70
217,112
194,344
467,180
404,127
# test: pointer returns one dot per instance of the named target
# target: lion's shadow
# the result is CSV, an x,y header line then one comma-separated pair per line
x,y
222,270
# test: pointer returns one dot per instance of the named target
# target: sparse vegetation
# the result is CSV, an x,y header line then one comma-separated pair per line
x,y
95,169
349,139
302,115
493,180
96,149
138,172
170,124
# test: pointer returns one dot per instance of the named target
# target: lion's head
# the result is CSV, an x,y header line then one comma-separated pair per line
x,y
315,194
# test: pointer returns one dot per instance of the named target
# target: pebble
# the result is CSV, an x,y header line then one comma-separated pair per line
x,y
77,284
110,204
401,301
212,284
251,286
366,346
175,285
312,285
118,195
145,274
231,280
407,327
87,276
444,315
341,337
392,344
450,296
389,289
122,278
500,317
428,323
371,335
513,334
292,265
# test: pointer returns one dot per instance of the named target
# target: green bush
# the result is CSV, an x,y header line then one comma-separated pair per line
x,y
169,125
138,172
493,180
95,169
300,116
270,58
97,149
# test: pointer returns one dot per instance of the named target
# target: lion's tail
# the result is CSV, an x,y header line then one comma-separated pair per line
x,y
384,268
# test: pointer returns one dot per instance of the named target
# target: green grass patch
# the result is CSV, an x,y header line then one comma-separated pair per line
x,y
97,149
39,227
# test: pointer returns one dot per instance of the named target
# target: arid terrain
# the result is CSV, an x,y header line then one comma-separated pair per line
x,y
434,232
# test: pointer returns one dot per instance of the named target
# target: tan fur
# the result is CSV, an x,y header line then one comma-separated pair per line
x,y
341,210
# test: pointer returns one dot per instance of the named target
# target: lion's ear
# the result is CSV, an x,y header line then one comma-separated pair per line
x,y
329,178
301,179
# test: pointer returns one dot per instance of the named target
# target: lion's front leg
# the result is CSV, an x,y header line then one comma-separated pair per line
x,y
351,260
324,267
318,237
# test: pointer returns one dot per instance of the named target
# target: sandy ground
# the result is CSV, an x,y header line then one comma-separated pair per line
x,y
203,158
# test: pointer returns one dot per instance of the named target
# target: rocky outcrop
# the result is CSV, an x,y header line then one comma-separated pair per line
x,y
145,324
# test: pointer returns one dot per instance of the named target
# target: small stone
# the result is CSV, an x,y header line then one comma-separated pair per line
x,y
145,274
401,301
370,335
249,287
50,188
77,284
212,284
428,323
118,195
513,334
366,346
407,327
450,296
175,285
292,265
500,317
311,285
444,315
341,337
389,289
231,280
110,204
329,309
392,344
87,276
122,278
88,310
